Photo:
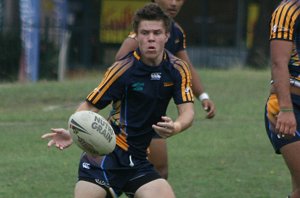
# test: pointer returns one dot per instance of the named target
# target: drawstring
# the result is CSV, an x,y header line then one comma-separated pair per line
x,y
131,164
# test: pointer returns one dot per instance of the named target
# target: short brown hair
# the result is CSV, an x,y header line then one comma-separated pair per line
x,y
151,12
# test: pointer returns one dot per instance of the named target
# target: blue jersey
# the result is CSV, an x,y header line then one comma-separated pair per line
x,y
140,95
285,25
176,41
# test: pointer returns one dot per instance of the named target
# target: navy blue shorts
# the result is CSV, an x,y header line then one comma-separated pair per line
x,y
118,171
271,110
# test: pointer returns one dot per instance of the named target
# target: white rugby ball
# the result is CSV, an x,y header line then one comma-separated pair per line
x,y
92,133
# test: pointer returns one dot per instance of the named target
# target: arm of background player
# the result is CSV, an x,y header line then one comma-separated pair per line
x,y
197,86
128,45
280,56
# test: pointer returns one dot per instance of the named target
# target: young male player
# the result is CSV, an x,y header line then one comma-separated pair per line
x,y
282,113
177,45
140,87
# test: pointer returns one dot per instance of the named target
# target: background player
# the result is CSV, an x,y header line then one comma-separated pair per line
x,y
176,45
140,87
282,114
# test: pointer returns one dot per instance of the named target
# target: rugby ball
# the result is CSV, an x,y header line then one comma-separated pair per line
x,y
92,133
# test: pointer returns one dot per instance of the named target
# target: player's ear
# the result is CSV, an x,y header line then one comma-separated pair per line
x,y
167,36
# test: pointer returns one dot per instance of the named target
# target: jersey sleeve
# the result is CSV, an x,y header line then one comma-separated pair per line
x,y
183,86
282,24
181,37
111,87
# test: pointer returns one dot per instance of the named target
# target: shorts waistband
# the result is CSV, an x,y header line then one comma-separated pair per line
x,y
295,90
294,87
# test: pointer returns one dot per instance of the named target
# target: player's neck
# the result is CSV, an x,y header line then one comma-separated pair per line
x,y
153,62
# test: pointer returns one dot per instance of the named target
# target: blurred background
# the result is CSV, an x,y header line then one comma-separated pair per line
x,y
51,39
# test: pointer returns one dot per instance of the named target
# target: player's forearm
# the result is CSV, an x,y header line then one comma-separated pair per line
x,y
281,84
185,117
280,56
85,106
121,53
128,45
197,86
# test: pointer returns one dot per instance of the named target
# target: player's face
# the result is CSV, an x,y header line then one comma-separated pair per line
x,y
152,37
171,7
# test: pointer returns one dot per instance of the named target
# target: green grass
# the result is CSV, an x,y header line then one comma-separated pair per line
x,y
227,157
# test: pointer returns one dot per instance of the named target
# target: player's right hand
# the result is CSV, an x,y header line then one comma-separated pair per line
x,y
209,107
59,137
286,124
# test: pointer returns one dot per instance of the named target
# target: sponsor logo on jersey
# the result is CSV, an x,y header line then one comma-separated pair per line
x,y
187,89
274,28
156,76
138,86
86,165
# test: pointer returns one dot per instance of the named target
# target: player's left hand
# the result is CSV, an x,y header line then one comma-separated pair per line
x,y
59,137
209,107
166,128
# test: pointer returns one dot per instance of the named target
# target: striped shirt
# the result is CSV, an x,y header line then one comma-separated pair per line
x,y
285,25
140,95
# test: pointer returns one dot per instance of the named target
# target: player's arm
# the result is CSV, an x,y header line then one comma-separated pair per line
x,y
197,87
280,56
60,137
167,127
185,117
128,45
86,106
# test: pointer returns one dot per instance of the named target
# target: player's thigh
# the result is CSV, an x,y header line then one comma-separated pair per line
x,y
158,151
158,154
158,188
291,155
84,189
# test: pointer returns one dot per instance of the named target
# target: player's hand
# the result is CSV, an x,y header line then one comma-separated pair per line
x,y
60,137
209,107
166,128
286,124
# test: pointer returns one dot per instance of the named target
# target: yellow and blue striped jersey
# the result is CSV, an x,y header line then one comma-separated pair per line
x,y
140,95
177,40
285,25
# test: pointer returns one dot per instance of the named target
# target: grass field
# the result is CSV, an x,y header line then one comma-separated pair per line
x,y
227,157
